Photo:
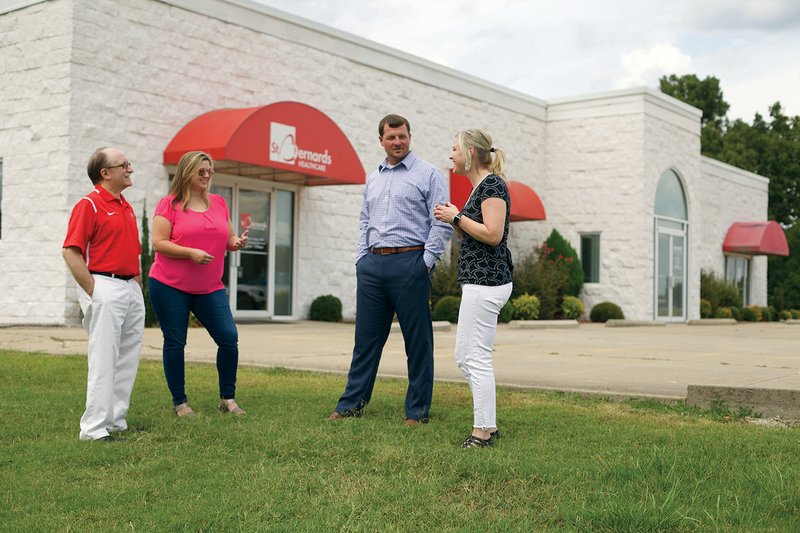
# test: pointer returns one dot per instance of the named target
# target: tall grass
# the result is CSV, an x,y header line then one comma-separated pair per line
x,y
564,464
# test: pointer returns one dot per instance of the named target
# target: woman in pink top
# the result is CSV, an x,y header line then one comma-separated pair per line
x,y
192,229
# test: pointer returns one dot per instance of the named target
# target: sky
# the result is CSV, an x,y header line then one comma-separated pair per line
x,y
551,49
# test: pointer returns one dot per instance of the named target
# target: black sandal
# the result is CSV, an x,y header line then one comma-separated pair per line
x,y
495,434
476,442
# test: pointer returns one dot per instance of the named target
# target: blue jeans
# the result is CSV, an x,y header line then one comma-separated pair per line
x,y
172,308
389,284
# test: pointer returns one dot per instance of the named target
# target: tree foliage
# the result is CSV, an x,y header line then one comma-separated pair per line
x,y
770,147
784,274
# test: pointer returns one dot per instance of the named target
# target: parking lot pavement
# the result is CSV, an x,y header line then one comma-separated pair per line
x,y
657,362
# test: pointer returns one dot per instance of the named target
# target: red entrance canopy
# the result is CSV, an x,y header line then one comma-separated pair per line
x,y
756,238
525,203
290,138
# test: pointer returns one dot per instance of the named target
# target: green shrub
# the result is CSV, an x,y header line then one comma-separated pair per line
x,y
562,251
526,307
447,308
145,262
705,309
444,281
786,314
551,272
724,312
524,277
795,314
506,313
756,312
749,315
737,312
605,311
572,307
326,308
718,292
773,313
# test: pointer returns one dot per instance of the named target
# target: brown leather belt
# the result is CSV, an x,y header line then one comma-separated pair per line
x,y
389,251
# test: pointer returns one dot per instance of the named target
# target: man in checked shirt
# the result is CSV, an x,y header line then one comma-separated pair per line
x,y
399,244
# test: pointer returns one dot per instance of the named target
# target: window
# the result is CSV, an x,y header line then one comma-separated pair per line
x,y
590,257
737,272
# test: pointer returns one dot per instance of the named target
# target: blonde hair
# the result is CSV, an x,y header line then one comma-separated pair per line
x,y
182,182
482,143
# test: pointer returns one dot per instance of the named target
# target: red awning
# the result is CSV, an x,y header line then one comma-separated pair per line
x,y
525,203
284,141
756,238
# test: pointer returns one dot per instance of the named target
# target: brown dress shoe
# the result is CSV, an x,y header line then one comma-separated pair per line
x,y
413,422
335,416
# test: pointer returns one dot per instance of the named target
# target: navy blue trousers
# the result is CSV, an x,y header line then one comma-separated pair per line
x,y
172,308
389,284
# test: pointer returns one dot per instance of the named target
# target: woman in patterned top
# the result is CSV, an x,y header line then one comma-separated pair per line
x,y
484,271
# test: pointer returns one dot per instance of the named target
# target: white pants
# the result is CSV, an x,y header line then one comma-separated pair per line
x,y
114,320
477,325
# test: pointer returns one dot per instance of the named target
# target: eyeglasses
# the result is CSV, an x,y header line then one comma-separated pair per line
x,y
124,164
205,171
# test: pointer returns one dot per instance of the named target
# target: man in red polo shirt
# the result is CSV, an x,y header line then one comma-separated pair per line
x,y
102,251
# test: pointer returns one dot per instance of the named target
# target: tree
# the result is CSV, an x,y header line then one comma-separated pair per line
x,y
769,148
784,274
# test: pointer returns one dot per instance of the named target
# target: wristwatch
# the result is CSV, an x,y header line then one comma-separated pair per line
x,y
457,219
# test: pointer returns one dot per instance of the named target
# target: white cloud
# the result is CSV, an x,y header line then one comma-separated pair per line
x,y
556,48
644,66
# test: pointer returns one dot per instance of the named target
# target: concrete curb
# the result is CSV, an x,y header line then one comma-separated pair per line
x,y
713,322
622,323
783,403
543,324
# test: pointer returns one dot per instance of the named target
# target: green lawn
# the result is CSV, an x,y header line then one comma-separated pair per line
x,y
564,464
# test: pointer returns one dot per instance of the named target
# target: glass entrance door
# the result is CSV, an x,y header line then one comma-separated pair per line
x,y
670,275
253,260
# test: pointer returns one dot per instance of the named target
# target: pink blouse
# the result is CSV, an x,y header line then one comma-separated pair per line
x,y
207,231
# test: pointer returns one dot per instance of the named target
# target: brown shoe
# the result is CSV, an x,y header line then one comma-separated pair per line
x,y
183,410
414,422
335,416
230,406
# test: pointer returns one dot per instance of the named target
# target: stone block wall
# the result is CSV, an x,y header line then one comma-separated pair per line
x,y
35,58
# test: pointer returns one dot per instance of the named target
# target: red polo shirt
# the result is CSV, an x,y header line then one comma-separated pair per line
x,y
104,228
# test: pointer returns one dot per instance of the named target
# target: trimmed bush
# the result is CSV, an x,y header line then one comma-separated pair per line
x,y
526,307
795,314
447,308
736,312
769,313
786,314
705,309
326,308
749,315
724,312
506,313
605,311
572,307
756,311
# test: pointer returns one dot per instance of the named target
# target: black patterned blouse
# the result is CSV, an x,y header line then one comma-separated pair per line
x,y
480,263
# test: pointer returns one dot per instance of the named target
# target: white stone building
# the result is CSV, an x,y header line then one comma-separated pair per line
x,y
146,75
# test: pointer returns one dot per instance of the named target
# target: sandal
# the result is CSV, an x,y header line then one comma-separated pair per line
x,y
230,406
495,434
183,410
476,442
